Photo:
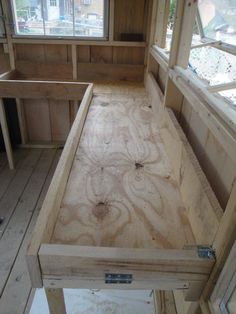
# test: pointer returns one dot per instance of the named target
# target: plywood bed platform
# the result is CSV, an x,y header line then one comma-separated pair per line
x,y
115,215
121,191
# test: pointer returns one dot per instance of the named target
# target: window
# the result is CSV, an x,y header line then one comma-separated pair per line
x,y
53,3
218,20
2,29
58,18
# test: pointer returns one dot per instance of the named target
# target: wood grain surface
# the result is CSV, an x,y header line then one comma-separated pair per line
x,y
121,191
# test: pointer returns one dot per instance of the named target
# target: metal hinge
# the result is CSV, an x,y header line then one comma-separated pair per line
x,y
118,278
205,251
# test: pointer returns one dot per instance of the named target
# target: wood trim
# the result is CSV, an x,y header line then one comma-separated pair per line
x,y
79,42
42,89
111,20
223,283
81,266
163,11
51,205
223,241
222,87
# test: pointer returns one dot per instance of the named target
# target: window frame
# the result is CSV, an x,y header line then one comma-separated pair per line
x,y
44,36
220,45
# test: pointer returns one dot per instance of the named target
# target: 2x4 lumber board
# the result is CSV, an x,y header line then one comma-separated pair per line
x,y
70,257
179,12
14,298
185,41
111,19
17,226
164,302
222,87
74,61
101,71
8,24
56,302
6,136
204,211
51,41
162,21
45,223
161,269
223,241
222,290
205,109
42,89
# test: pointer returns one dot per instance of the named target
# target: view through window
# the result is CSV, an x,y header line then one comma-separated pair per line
x,y
218,19
84,18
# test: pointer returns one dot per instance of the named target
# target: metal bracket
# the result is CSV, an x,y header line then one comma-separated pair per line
x,y
205,252
118,278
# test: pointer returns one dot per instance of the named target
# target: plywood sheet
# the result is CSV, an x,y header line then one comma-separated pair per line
x,y
121,190
37,119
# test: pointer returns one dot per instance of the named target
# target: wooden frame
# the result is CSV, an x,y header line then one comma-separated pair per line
x,y
13,88
225,285
65,266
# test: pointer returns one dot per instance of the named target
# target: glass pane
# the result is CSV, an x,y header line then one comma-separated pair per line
x,y
89,18
58,17
28,17
219,19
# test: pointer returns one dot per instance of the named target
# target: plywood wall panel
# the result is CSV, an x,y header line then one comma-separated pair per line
x,y
128,55
101,54
60,119
130,17
219,168
30,52
83,53
56,53
37,119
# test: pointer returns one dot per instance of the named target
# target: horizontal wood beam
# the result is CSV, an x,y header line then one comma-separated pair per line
x,y
46,220
42,89
51,41
222,87
80,266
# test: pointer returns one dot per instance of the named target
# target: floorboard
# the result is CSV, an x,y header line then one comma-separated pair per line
x,y
15,284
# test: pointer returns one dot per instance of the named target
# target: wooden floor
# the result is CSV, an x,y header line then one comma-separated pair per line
x,y
22,192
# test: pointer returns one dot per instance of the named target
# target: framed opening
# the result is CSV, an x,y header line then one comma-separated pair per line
x,y
61,18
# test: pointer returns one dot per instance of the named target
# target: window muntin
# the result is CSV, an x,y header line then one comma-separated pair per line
x,y
218,19
66,18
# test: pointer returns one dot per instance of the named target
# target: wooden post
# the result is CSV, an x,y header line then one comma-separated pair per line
x,y
56,302
162,21
5,134
111,20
